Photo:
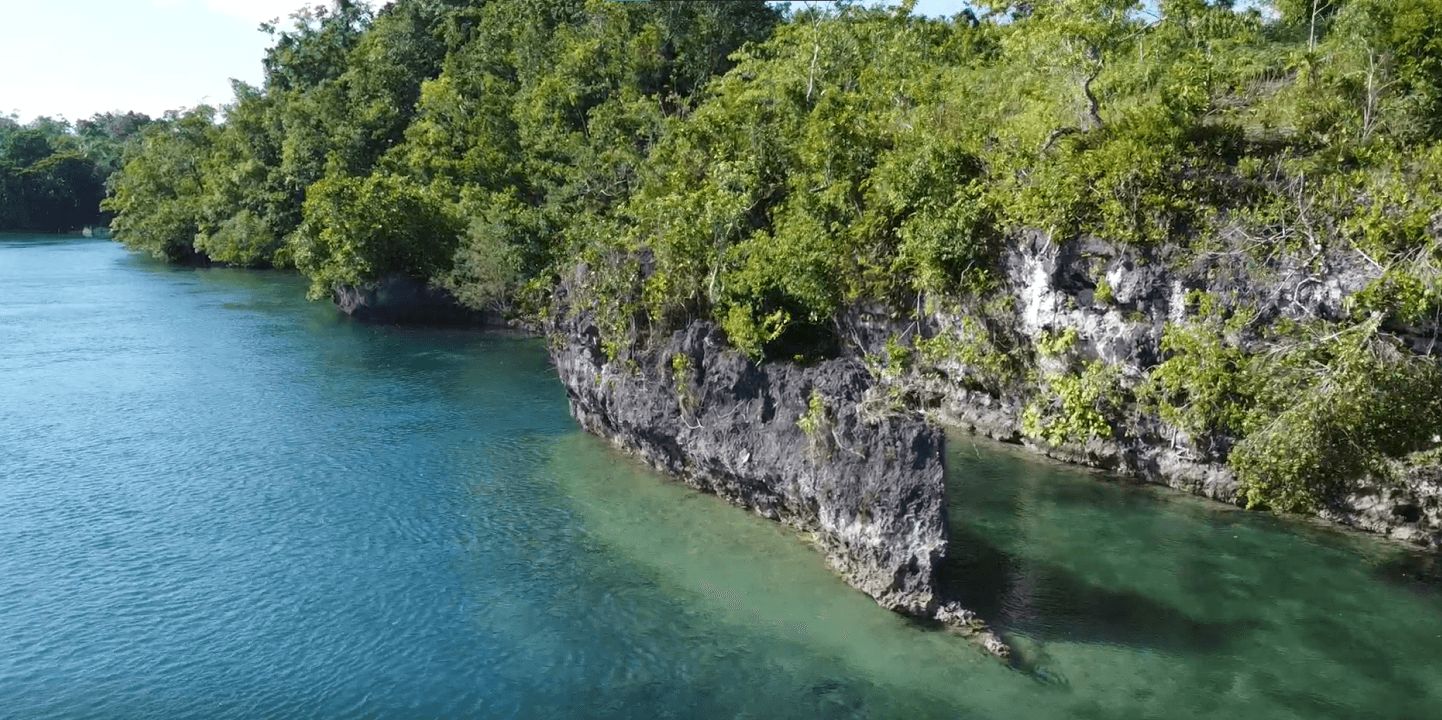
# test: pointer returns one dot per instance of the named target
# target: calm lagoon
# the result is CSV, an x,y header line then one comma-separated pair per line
x,y
218,500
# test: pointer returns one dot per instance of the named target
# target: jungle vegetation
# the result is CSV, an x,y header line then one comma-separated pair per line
x,y
773,165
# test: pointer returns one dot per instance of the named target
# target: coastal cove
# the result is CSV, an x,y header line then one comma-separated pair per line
x,y
223,501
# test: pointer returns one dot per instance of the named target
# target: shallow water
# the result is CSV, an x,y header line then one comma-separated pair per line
x,y
220,501
1182,608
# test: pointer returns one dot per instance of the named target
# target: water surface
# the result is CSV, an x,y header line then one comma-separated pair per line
x,y
220,501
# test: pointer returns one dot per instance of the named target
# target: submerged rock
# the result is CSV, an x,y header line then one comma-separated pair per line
x,y
955,616
403,300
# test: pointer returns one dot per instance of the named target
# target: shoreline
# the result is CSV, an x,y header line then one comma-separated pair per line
x,y
957,425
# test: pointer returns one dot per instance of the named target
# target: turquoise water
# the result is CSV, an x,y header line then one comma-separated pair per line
x,y
220,501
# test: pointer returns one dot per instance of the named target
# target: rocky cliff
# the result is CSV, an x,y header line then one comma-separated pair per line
x,y
785,441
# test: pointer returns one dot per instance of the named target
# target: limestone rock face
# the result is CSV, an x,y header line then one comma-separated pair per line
x,y
1407,508
1049,288
872,494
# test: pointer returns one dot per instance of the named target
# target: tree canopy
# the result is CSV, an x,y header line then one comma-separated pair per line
x,y
780,163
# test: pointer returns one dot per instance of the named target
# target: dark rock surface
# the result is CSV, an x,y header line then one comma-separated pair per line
x,y
401,300
1408,508
873,496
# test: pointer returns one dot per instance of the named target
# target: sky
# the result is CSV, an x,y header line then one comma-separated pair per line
x,y
76,58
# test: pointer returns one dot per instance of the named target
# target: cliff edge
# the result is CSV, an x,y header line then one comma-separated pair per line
x,y
785,441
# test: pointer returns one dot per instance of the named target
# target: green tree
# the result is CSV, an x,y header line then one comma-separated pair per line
x,y
358,230
159,193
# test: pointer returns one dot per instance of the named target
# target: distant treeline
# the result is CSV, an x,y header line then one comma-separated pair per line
x,y
53,175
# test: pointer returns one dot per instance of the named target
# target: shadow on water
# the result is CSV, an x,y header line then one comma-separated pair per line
x,y
1048,603
1414,570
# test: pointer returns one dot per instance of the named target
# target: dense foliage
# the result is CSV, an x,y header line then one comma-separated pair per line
x,y
768,168
52,175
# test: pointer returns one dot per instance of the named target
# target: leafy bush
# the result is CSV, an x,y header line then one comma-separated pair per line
x,y
359,230
159,193
1074,408
816,424
1325,406
243,239
1202,386
1331,410
991,363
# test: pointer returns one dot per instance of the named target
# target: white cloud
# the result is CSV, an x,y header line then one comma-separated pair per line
x,y
253,11
258,11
